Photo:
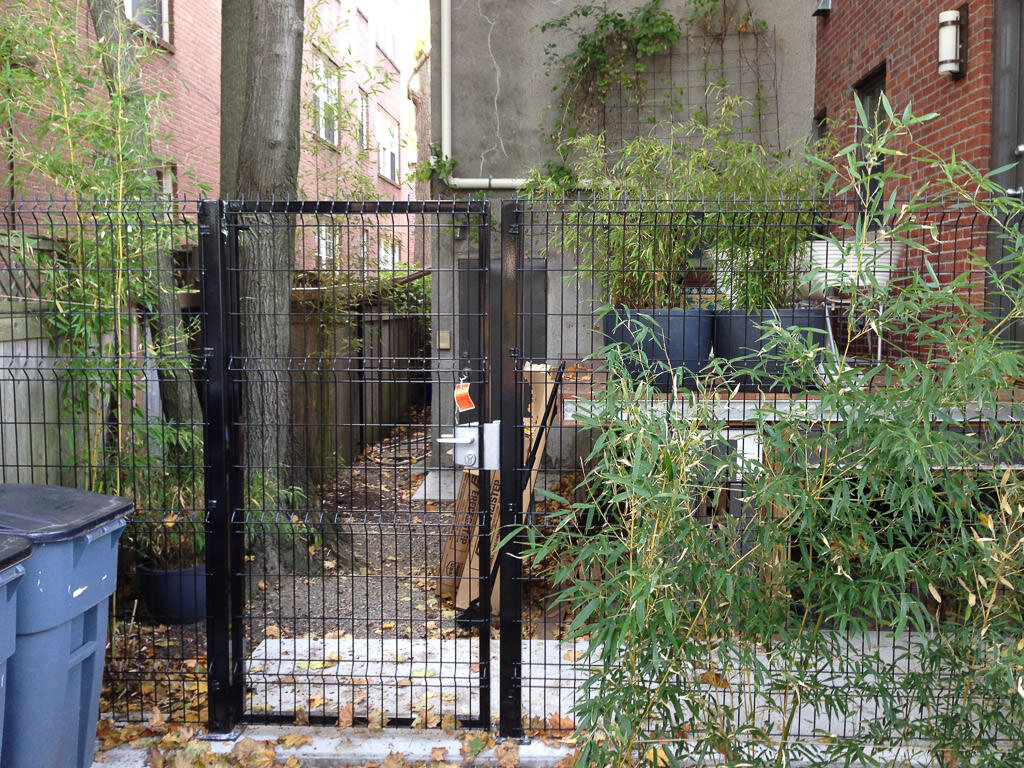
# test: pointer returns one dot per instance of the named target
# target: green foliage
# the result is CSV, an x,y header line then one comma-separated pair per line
x,y
168,530
68,129
659,208
96,275
611,52
439,167
876,575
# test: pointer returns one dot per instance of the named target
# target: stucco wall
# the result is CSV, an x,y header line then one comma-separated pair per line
x,y
503,99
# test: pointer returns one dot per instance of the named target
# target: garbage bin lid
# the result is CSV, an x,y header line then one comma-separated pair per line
x,y
50,513
13,549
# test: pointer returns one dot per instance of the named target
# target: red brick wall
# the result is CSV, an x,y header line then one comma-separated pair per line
x,y
186,128
858,36
191,75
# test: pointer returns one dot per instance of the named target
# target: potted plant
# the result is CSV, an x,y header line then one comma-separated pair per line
x,y
647,266
170,565
668,213
166,543
761,267
638,241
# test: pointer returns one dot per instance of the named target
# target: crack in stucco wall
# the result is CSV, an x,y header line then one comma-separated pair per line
x,y
499,143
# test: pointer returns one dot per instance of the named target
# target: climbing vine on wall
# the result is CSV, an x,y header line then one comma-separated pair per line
x,y
605,54
613,52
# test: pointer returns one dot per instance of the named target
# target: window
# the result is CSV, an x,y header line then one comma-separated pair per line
x,y
166,179
387,40
326,253
869,91
389,253
151,15
364,246
325,100
364,121
387,147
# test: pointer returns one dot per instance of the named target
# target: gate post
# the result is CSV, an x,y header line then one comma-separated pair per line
x,y
510,684
224,684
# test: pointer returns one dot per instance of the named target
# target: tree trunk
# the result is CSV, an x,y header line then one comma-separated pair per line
x,y
178,394
262,49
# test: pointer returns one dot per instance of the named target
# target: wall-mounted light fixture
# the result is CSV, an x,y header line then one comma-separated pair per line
x,y
952,42
824,6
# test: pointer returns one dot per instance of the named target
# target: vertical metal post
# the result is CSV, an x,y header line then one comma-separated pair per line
x,y
234,519
511,614
487,409
224,689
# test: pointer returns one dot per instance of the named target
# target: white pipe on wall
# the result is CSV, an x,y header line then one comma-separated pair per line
x,y
446,112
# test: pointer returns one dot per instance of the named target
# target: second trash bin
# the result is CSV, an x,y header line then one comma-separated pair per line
x,y
13,551
55,673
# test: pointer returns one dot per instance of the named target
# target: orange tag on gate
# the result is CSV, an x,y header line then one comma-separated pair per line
x,y
463,402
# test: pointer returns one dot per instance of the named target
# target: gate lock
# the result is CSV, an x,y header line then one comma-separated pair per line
x,y
469,451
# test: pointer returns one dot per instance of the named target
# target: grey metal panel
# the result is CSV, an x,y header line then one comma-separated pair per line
x,y
1007,127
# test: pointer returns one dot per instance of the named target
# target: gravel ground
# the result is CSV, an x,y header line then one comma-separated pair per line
x,y
394,547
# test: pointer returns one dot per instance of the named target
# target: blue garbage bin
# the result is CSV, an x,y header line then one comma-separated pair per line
x,y
55,673
14,550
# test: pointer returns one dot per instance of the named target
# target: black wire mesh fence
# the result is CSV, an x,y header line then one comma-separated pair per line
x,y
689,286
347,497
100,381
296,396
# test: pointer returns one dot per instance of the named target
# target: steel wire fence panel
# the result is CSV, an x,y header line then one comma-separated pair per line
x,y
350,346
593,276
100,377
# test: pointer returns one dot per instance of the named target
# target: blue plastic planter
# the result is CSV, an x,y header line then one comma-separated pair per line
x,y
13,551
55,674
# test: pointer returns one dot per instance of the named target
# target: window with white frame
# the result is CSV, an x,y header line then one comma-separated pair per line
x,y
364,247
326,248
387,39
325,100
387,147
152,15
389,253
364,120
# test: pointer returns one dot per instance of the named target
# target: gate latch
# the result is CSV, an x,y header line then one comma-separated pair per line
x,y
469,450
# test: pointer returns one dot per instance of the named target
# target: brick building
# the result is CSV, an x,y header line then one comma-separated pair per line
x,y
865,47
358,60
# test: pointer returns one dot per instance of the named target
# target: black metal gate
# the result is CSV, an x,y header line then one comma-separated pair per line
x,y
332,497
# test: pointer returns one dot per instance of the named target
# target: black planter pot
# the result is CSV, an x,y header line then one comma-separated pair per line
x,y
738,339
176,596
678,338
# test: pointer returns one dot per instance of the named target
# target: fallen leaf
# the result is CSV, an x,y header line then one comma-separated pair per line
x,y
317,701
449,723
261,585
438,754
572,655
301,716
716,679
346,715
315,664
657,756
294,740
560,726
507,754
394,760
376,721
272,631
475,742
425,718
